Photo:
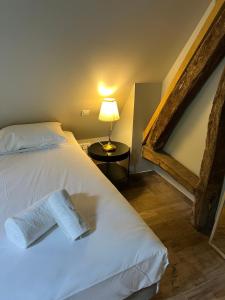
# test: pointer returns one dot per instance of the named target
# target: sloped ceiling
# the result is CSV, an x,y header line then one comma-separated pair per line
x,y
53,53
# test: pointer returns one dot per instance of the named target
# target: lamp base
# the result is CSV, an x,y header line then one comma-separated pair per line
x,y
109,147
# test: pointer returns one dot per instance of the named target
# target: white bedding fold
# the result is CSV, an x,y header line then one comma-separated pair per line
x,y
66,216
30,224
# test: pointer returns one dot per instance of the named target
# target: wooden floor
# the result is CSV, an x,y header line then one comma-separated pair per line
x,y
196,271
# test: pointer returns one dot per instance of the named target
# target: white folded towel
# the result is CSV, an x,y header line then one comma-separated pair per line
x,y
66,216
30,224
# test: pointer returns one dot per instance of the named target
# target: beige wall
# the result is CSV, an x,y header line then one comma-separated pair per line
x,y
167,80
54,52
147,97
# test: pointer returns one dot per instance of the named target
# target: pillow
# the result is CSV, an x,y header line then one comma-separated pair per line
x,y
19,138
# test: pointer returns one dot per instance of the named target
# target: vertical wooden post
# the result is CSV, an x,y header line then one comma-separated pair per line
x,y
213,164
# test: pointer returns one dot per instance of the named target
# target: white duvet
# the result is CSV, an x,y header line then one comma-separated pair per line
x,y
55,268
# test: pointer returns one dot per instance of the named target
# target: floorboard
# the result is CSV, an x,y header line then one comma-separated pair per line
x,y
196,271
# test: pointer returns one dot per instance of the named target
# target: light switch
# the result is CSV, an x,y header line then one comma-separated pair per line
x,y
85,112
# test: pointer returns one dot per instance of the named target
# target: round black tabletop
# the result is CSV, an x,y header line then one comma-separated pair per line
x,y
96,152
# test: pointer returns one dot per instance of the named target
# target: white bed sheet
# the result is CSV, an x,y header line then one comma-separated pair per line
x,y
54,268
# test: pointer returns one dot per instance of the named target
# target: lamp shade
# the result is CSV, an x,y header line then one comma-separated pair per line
x,y
109,110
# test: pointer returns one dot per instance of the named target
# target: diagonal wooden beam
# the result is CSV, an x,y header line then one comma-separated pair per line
x,y
213,164
219,4
176,170
206,58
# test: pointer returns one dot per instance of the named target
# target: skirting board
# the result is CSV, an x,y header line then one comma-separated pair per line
x,y
178,186
171,181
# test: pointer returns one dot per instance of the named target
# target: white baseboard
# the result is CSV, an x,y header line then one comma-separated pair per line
x,y
139,172
169,179
172,181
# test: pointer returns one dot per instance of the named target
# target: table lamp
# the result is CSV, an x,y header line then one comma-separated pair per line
x,y
109,113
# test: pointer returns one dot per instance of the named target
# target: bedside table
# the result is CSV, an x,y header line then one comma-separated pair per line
x,y
108,161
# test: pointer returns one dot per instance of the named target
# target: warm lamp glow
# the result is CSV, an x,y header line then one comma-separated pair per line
x,y
109,110
106,90
109,113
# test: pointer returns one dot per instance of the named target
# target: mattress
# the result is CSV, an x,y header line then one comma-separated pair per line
x,y
121,247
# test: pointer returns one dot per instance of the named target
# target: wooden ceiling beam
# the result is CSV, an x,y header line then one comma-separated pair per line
x,y
206,58
212,170
189,55
175,169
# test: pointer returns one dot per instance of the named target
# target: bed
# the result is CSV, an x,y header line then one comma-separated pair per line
x,y
121,258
